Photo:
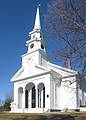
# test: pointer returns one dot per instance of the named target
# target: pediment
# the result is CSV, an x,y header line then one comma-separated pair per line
x,y
23,73
18,74
55,75
55,70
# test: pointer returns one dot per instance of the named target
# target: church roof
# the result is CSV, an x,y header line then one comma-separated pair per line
x,y
61,71
21,76
55,70
61,68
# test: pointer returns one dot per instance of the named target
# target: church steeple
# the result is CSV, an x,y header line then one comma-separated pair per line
x,y
37,24
36,42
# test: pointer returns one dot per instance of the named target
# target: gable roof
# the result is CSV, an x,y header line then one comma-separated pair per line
x,y
20,75
53,69
62,68
63,72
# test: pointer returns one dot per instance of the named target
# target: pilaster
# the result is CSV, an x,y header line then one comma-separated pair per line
x,y
36,97
23,99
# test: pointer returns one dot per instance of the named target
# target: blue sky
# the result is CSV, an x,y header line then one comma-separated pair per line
x,y
16,20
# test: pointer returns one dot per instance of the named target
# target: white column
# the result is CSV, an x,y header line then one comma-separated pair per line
x,y
36,96
54,95
23,99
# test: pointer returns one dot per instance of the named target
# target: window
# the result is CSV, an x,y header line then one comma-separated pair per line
x,y
80,103
33,36
40,36
26,99
31,46
42,46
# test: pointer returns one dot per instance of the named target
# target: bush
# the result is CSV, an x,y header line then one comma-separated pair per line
x,y
6,106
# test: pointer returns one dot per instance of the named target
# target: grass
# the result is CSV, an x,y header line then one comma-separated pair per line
x,y
44,116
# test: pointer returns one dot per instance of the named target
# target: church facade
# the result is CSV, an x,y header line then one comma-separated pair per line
x,y
40,86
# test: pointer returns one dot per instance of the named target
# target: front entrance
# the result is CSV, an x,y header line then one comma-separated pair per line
x,y
35,98
30,96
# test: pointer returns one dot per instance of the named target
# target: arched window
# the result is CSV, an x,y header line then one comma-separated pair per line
x,y
41,95
20,94
30,96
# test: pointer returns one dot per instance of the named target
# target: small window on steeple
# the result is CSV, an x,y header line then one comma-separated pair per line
x,y
42,46
33,36
31,46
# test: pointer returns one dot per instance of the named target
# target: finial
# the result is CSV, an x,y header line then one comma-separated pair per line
x,y
38,4
37,19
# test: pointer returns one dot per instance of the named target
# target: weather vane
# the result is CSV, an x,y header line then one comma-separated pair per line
x,y
38,4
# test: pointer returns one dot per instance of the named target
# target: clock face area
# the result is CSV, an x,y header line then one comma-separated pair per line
x,y
30,60
29,64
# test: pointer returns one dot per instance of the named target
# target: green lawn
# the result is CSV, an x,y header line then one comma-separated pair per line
x,y
45,116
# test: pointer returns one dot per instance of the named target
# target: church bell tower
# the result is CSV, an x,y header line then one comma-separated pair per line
x,y
36,54
36,42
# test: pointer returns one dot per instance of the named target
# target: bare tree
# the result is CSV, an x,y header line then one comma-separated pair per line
x,y
66,23
7,101
1,102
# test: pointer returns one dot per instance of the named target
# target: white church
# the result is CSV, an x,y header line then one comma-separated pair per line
x,y
40,86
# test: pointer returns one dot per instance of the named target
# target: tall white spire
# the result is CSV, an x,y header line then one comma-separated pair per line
x,y
36,42
37,20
